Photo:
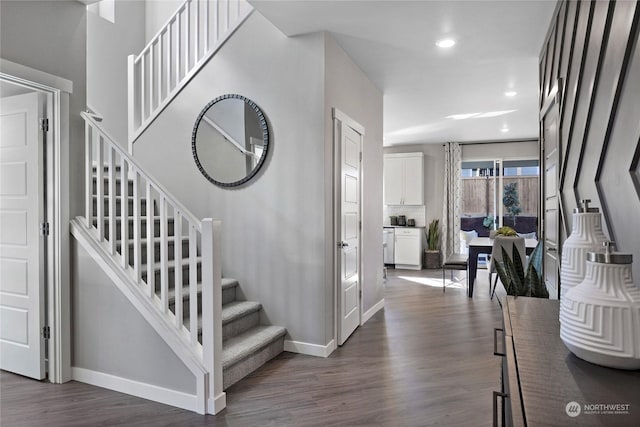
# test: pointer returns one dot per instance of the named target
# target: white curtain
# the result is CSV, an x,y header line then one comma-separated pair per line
x,y
452,197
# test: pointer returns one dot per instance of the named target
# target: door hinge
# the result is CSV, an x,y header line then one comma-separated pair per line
x,y
360,225
44,124
44,229
361,156
360,293
46,332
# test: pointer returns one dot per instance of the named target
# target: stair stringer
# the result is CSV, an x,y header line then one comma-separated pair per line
x,y
161,323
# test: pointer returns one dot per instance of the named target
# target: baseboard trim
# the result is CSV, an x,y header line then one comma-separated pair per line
x,y
217,404
135,388
373,310
309,349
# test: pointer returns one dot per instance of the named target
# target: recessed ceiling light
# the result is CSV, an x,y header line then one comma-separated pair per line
x,y
461,116
445,43
504,130
510,93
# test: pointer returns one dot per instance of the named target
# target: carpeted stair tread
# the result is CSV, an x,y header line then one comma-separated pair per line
x,y
237,309
228,282
244,345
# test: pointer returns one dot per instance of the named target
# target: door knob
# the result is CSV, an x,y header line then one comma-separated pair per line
x,y
342,244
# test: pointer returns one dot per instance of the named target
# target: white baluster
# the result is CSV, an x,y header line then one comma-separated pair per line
x,y
143,80
177,250
168,61
124,211
164,256
187,38
150,242
133,109
193,284
112,199
99,197
216,22
137,228
206,28
152,80
88,167
178,48
196,33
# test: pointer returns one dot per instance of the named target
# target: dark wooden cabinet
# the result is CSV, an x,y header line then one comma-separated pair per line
x,y
541,377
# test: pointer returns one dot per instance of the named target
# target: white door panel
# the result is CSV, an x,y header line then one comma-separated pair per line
x,y
21,246
349,217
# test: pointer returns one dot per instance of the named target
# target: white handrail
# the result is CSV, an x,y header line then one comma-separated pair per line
x,y
106,163
187,40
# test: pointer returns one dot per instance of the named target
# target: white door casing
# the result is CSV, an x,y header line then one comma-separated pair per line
x,y
22,250
348,146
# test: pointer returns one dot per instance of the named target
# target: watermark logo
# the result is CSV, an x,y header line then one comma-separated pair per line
x,y
573,409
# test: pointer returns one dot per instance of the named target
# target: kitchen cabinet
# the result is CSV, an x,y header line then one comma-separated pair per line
x,y
408,248
404,179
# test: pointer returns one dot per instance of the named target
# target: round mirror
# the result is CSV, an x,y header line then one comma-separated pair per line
x,y
230,140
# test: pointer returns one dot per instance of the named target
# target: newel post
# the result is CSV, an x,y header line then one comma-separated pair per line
x,y
212,313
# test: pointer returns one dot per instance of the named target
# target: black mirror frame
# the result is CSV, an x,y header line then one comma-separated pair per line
x,y
265,140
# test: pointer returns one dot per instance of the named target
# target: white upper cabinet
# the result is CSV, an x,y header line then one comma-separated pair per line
x,y
404,179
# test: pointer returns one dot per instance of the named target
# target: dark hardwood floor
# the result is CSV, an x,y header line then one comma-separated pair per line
x,y
426,359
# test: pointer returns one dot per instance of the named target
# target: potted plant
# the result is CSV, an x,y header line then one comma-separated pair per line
x,y
432,253
522,282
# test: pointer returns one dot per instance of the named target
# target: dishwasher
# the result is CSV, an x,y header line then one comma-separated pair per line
x,y
388,244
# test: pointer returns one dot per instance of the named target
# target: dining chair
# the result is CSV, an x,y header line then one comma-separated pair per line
x,y
506,242
465,238
454,262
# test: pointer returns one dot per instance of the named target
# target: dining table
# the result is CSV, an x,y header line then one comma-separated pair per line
x,y
484,245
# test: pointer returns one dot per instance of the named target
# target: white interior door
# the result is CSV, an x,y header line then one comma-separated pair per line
x,y
22,347
349,232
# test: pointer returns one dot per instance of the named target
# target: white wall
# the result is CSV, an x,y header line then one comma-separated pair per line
x,y
348,89
273,227
110,335
158,13
51,37
108,45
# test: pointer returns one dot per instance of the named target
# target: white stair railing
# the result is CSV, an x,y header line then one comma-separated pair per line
x,y
114,179
186,42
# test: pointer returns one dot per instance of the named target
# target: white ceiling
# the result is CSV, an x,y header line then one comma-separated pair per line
x,y
393,42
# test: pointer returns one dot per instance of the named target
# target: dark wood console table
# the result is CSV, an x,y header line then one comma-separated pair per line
x,y
540,376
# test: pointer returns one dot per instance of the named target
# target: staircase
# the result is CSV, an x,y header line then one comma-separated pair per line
x,y
168,265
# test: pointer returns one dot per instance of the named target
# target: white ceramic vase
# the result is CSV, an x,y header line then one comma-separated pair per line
x,y
600,317
586,236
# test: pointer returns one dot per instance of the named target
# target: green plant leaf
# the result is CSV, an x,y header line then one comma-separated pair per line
x,y
535,258
505,279
535,284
